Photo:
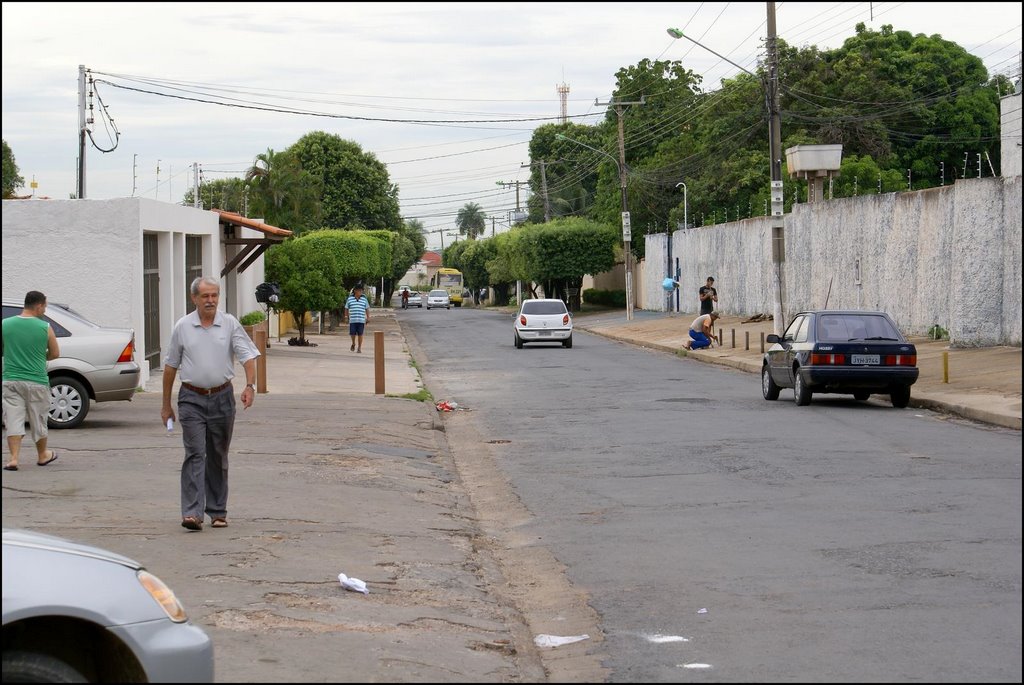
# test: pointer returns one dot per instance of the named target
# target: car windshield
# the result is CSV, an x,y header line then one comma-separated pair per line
x,y
849,327
555,307
438,293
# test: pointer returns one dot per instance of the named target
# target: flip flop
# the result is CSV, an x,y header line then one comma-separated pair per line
x,y
48,461
11,467
219,523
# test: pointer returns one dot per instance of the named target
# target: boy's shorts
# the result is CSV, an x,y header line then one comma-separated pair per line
x,y
356,328
24,401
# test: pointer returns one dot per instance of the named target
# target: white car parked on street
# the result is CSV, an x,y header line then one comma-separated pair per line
x,y
543,321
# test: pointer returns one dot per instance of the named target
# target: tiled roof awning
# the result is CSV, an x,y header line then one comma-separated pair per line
x,y
253,247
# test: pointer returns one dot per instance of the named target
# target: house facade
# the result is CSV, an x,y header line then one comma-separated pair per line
x,y
128,262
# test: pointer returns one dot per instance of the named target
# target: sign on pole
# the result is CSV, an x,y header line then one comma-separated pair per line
x,y
626,235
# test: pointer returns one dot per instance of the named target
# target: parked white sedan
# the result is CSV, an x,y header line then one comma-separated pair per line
x,y
543,321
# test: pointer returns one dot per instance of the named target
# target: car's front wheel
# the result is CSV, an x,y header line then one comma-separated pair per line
x,y
801,391
900,396
768,387
861,395
69,402
32,667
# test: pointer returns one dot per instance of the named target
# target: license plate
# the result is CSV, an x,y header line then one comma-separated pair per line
x,y
864,359
544,333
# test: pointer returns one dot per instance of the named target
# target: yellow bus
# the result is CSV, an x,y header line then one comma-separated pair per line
x,y
449,280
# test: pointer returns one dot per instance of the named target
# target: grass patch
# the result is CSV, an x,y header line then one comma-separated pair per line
x,y
421,395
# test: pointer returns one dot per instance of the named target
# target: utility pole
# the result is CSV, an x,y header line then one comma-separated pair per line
x,y
156,193
135,173
83,123
775,146
516,184
627,235
195,185
543,187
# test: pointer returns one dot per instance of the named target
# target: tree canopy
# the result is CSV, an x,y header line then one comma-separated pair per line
x,y
12,179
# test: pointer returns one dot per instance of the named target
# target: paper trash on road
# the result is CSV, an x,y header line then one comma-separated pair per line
x,y
353,584
557,640
445,405
702,611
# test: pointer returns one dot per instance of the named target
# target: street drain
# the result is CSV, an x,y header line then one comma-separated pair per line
x,y
498,442
684,399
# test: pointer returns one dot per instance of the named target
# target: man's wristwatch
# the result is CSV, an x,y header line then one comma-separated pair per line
x,y
251,385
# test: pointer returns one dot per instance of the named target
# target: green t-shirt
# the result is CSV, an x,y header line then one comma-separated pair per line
x,y
25,343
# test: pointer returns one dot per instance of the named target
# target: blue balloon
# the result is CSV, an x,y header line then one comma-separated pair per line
x,y
668,284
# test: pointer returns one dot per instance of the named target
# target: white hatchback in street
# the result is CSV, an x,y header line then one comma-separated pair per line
x,y
543,321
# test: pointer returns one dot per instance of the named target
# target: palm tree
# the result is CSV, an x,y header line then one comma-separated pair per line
x,y
471,220
283,192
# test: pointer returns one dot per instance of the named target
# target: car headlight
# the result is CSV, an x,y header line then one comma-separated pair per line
x,y
163,595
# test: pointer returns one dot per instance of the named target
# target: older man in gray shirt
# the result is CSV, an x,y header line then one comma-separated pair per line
x,y
203,349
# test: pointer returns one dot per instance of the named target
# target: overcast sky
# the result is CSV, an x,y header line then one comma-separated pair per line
x,y
366,67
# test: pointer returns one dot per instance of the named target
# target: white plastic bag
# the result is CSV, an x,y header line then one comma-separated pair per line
x,y
353,584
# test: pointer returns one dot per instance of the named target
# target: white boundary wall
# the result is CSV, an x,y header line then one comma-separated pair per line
x,y
949,256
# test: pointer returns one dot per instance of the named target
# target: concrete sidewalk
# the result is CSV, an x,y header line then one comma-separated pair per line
x,y
327,477
984,383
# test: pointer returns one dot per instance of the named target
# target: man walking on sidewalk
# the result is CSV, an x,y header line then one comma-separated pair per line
x,y
204,346
701,331
29,342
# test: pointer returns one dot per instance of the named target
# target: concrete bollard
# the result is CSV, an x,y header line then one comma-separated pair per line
x,y
762,342
260,340
378,362
734,337
945,367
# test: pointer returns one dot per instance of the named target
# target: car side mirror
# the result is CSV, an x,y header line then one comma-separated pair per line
x,y
772,338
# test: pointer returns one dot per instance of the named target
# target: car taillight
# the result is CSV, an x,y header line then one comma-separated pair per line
x,y
901,360
827,359
565,320
522,319
128,353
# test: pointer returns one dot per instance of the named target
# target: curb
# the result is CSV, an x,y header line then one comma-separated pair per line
x,y
920,401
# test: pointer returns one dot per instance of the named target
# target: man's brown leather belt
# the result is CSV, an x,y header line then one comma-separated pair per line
x,y
205,391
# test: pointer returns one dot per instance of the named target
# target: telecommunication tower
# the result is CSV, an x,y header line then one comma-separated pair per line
x,y
563,96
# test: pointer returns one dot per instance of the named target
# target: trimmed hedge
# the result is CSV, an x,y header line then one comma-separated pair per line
x,y
252,318
607,298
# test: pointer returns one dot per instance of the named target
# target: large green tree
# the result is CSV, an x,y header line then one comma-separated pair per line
x,y
12,179
357,190
228,194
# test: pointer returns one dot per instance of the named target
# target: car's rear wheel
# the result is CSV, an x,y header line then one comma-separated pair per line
x,y
801,391
861,395
568,341
519,342
900,396
69,402
768,387
32,667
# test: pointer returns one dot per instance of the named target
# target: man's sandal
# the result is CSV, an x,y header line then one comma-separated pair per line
x,y
219,523
192,523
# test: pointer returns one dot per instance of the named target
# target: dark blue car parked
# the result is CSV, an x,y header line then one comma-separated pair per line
x,y
859,353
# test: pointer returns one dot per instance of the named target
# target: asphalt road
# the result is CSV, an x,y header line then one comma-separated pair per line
x,y
720,537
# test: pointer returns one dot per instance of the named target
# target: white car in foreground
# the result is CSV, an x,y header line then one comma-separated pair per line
x,y
543,321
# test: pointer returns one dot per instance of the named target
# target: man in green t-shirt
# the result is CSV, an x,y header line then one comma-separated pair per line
x,y
28,343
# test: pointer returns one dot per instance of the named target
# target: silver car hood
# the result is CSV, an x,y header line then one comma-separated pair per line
x,y
28,538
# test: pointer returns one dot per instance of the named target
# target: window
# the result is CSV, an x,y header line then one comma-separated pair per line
x,y
793,328
847,327
556,307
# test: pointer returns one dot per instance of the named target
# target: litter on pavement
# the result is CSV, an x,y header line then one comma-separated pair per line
x,y
445,405
557,640
353,584
702,611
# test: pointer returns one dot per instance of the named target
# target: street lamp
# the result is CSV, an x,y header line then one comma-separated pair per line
x,y
626,233
685,223
771,95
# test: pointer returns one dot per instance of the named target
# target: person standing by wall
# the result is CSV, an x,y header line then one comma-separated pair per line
x,y
204,346
708,296
709,300
28,343
357,313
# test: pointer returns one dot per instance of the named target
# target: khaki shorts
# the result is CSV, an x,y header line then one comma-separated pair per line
x,y
25,401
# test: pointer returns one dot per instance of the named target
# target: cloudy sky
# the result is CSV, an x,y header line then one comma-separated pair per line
x,y
446,94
